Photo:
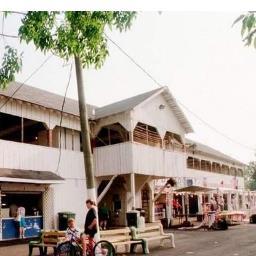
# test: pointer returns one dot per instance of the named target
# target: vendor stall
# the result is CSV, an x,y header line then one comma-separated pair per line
x,y
22,204
31,202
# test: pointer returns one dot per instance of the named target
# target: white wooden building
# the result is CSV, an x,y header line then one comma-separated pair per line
x,y
135,142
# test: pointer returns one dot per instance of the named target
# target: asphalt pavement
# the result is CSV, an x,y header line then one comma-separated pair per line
x,y
238,240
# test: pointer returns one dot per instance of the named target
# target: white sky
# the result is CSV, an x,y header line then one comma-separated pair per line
x,y
198,55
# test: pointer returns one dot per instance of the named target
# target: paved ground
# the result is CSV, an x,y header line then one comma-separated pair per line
x,y
237,241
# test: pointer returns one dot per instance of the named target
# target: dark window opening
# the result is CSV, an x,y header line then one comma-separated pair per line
x,y
16,129
31,201
111,134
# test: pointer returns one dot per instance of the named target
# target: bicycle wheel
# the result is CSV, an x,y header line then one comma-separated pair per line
x,y
63,249
103,248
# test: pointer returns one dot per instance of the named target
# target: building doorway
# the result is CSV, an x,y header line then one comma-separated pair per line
x,y
145,201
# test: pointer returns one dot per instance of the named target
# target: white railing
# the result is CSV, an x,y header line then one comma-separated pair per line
x,y
138,158
15,155
120,158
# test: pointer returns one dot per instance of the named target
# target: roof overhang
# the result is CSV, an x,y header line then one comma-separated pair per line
x,y
193,189
29,176
177,110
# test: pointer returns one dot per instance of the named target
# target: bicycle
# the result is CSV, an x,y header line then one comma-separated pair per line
x,y
101,248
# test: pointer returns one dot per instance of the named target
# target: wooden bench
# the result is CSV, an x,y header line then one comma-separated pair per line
x,y
120,237
152,232
51,238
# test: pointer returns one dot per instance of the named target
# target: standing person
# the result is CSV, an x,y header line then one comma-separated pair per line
x,y
174,205
20,221
103,216
221,203
213,204
232,202
90,227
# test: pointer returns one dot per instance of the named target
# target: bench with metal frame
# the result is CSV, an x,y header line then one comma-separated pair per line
x,y
153,231
122,237
51,238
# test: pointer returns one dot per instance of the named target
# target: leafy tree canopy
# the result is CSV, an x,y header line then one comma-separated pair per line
x,y
65,34
250,176
248,29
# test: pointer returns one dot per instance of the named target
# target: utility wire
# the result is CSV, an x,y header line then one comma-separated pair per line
x,y
61,117
133,61
184,106
214,129
6,35
29,77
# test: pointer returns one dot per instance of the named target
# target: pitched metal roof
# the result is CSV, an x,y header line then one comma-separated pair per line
x,y
43,98
204,149
54,101
29,176
177,110
131,103
123,105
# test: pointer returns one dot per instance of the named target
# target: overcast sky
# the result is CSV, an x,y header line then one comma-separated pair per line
x,y
198,55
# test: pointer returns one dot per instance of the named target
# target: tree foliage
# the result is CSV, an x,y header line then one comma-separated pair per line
x,y
250,176
11,64
68,34
248,28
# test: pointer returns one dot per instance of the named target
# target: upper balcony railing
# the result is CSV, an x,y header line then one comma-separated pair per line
x,y
122,158
128,157
22,156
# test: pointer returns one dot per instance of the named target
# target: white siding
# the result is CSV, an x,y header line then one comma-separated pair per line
x,y
164,119
138,158
113,159
31,157
49,117
214,180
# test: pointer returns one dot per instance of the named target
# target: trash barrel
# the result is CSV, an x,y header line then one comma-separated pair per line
x,y
132,218
253,219
63,219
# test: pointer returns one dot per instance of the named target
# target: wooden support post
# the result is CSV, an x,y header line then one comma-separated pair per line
x,y
22,129
109,137
0,215
132,175
50,143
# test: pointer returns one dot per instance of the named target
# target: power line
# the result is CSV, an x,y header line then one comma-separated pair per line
x,y
29,77
184,106
132,60
61,116
213,128
6,35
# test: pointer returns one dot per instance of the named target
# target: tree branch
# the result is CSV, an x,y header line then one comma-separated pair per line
x,y
20,13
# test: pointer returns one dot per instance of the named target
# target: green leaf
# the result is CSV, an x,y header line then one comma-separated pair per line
x,y
12,64
238,19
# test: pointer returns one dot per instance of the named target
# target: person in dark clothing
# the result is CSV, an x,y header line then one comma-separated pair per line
x,y
90,226
103,216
